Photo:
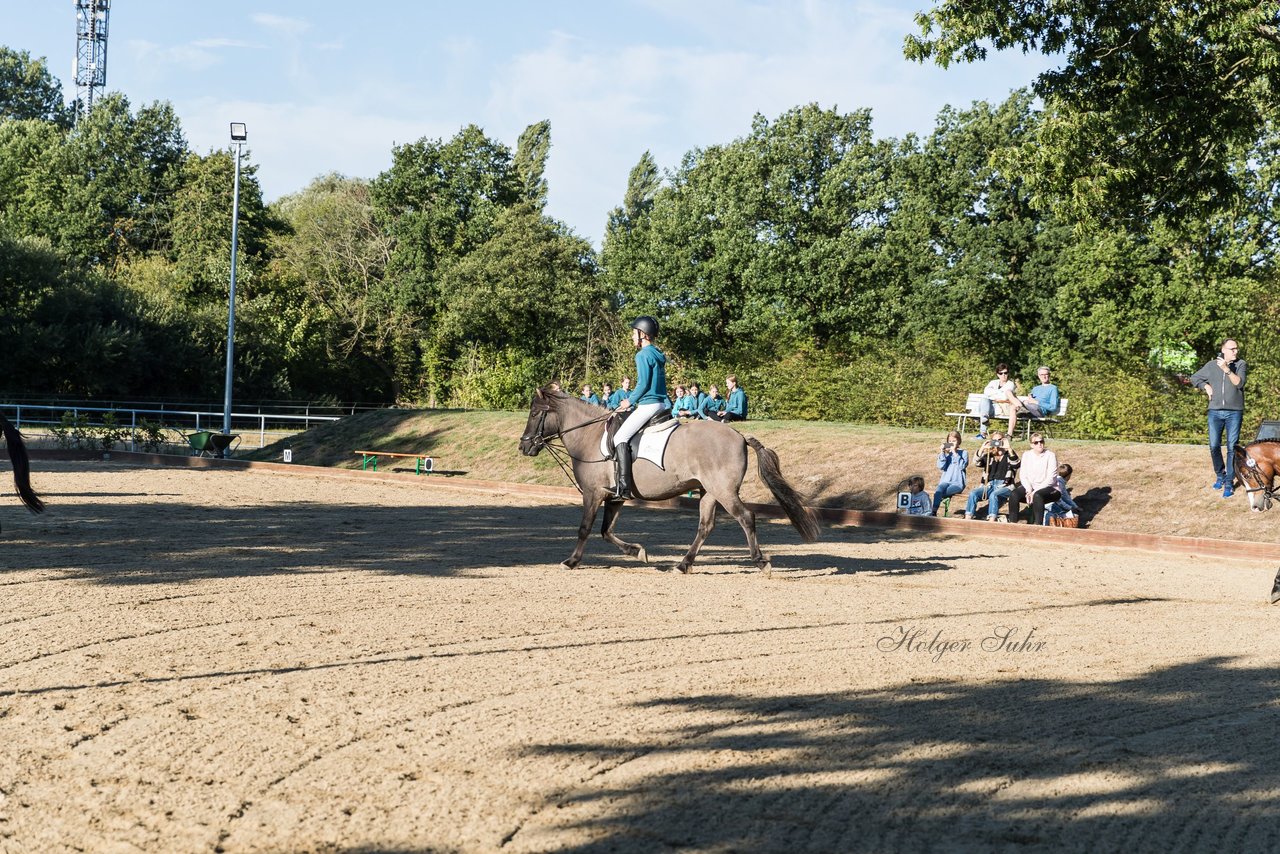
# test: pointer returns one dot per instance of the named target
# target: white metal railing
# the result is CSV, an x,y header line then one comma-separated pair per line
x,y
196,419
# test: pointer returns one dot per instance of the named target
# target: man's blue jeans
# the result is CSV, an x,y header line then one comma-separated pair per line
x,y
1229,420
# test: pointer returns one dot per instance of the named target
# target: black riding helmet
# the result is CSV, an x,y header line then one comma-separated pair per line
x,y
647,325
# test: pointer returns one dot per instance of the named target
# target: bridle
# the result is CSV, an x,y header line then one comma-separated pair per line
x,y
560,452
1253,481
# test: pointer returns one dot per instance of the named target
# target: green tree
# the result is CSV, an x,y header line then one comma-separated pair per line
x,y
102,193
200,230
531,289
531,162
337,256
28,90
1151,106
982,259
769,237
439,201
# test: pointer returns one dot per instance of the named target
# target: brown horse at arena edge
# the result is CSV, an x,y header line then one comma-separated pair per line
x,y
1257,464
705,454
21,466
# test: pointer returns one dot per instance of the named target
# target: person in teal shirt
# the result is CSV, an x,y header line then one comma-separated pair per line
x,y
615,399
711,405
645,400
690,406
588,396
735,403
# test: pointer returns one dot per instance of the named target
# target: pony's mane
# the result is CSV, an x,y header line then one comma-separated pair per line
x,y
1263,442
560,401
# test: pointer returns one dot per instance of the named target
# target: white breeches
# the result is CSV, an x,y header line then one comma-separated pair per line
x,y
639,415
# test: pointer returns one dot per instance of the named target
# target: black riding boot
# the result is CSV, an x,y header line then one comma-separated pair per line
x,y
622,472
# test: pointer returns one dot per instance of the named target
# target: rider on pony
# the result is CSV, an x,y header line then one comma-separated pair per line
x,y
646,400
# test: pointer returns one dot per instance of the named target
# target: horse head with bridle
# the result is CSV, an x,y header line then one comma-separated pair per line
x,y
1257,465
705,455
21,466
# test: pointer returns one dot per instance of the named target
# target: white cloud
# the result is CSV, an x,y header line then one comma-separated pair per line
x,y
294,144
289,26
217,43
190,56
609,104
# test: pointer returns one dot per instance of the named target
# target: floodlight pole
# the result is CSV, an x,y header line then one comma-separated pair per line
x,y
238,137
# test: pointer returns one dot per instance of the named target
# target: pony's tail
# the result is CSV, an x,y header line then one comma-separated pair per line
x,y
21,466
771,473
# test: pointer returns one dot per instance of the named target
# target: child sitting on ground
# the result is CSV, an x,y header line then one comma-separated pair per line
x,y
919,504
1063,507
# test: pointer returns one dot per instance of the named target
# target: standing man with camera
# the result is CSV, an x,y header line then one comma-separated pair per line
x,y
1223,379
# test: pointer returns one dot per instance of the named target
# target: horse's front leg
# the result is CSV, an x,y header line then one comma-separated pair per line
x,y
611,511
590,505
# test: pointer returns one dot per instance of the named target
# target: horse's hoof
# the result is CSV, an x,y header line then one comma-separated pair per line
x,y
766,569
642,554
568,564
683,567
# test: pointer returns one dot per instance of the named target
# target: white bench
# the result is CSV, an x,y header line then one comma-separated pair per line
x,y
972,405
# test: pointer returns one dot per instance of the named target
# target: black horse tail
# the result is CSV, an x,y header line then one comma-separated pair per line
x,y
771,473
21,466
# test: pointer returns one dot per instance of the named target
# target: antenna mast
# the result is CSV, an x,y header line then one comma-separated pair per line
x,y
91,52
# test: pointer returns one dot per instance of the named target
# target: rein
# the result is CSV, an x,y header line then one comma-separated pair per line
x,y
560,452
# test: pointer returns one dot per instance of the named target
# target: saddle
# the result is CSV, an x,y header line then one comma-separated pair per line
x,y
615,421
657,430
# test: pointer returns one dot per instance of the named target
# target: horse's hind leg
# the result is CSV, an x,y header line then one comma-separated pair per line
x,y
611,510
589,508
706,521
747,520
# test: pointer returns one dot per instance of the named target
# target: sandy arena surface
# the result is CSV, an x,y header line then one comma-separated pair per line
x,y
202,660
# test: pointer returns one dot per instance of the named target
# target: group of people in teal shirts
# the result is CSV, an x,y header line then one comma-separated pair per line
x,y
690,401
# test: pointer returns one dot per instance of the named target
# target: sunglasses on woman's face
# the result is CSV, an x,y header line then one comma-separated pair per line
x,y
1037,441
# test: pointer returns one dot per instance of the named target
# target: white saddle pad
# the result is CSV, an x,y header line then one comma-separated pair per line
x,y
649,444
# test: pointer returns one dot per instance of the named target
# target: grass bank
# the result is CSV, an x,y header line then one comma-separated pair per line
x,y
1138,487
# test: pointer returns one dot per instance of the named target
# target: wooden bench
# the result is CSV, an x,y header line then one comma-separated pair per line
x,y
422,463
962,418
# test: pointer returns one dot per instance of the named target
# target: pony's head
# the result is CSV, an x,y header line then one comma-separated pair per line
x,y
543,420
1256,465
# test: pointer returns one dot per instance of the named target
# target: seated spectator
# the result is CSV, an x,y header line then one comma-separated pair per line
x,y
624,393
1043,400
587,396
1001,398
711,404
999,464
1035,478
953,463
735,403
1059,502
919,504
688,406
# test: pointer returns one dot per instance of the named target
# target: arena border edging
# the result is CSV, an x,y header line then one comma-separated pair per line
x,y
833,516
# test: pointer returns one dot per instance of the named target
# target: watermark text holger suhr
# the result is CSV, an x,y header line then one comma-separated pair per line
x,y
1002,640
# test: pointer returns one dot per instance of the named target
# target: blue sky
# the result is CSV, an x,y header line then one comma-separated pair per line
x,y
328,86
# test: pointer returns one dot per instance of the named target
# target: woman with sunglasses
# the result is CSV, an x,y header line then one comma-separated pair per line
x,y
1000,391
1036,479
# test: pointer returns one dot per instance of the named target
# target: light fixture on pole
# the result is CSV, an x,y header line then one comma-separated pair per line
x,y
238,138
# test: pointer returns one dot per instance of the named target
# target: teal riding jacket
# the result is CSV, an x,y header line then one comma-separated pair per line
x,y
651,376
